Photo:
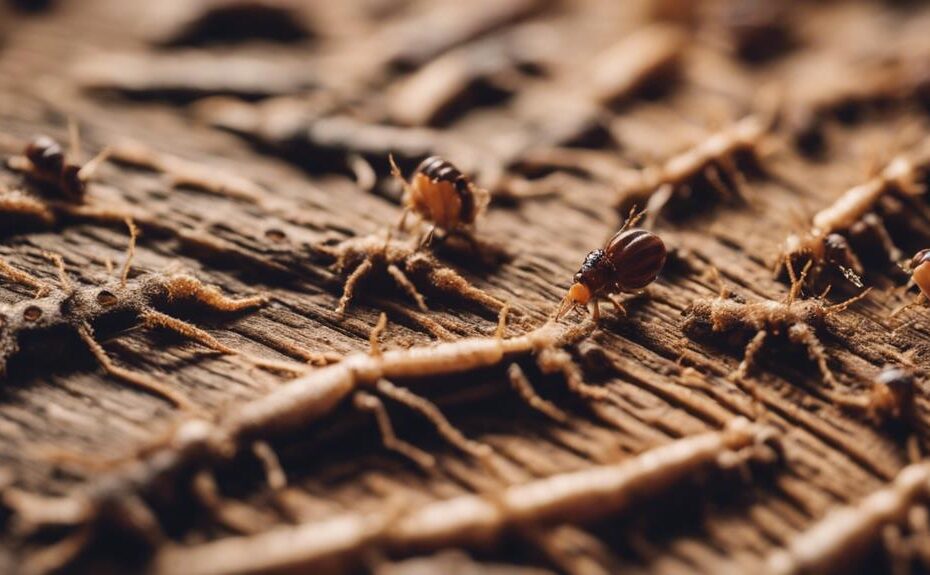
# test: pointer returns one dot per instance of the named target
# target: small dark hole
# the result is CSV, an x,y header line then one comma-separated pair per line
x,y
32,313
277,236
106,299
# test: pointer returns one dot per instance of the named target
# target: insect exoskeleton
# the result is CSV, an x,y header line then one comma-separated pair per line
x,y
920,276
441,194
631,260
45,161
920,271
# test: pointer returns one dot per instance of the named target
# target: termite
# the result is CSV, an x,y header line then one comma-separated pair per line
x,y
356,258
45,162
799,320
889,399
442,195
477,520
712,165
79,307
920,276
826,245
845,535
628,262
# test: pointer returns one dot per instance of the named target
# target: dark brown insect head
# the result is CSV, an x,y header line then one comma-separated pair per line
x,y
51,167
631,260
46,154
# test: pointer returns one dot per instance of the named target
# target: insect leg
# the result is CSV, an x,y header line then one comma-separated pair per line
x,y
803,334
395,172
522,385
189,287
837,308
617,305
349,289
712,173
552,360
88,170
449,281
139,380
274,472
749,355
916,302
58,556
502,322
657,201
439,421
152,318
375,347
367,402
884,238
596,316
24,278
233,515
59,262
404,282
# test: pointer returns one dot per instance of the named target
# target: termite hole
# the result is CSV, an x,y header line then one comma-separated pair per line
x,y
106,299
277,236
32,313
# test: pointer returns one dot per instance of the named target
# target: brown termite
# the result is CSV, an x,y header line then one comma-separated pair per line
x,y
799,320
920,276
854,213
628,262
835,543
889,399
442,195
45,162
120,497
479,520
714,165
356,258
80,307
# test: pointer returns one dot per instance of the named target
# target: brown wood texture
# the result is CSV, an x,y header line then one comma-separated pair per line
x,y
529,97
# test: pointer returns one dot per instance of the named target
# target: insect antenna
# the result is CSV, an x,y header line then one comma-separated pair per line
x,y
365,401
429,410
633,218
139,380
563,307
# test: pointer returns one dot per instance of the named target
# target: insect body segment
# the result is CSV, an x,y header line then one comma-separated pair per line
x,y
630,261
44,160
441,194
